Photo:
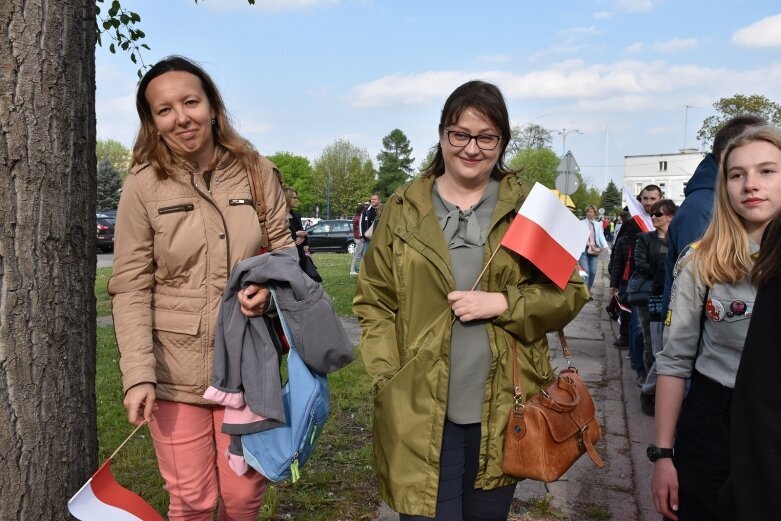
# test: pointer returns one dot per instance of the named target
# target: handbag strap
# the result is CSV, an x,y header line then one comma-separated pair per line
x,y
281,316
259,200
516,370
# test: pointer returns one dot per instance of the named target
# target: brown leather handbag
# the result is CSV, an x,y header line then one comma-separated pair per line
x,y
551,430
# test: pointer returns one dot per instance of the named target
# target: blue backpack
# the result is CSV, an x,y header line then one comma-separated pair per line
x,y
280,452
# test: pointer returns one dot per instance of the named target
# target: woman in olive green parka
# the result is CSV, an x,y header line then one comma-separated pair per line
x,y
410,292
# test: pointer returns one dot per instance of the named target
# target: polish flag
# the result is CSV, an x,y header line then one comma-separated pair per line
x,y
638,213
102,498
547,234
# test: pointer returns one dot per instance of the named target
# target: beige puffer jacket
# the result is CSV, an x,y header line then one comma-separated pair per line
x,y
176,242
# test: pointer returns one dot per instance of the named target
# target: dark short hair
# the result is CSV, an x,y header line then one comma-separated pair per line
x,y
666,206
482,97
652,188
730,130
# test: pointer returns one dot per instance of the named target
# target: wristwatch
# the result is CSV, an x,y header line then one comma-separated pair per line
x,y
655,453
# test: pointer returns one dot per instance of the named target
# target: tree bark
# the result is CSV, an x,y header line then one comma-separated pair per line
x,y
48,433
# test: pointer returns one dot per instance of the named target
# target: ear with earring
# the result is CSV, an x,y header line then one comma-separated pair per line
x,y
214,122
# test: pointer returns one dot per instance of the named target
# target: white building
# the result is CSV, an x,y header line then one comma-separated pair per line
x,y
670,172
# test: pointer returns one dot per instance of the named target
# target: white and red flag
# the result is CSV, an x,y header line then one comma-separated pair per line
x,y
547,234
102,498
638,213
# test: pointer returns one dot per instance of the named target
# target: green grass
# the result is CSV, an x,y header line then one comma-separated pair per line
x,y
338,481
337,281
101,295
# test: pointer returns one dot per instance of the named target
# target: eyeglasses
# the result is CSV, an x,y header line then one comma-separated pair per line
x,y
462,139
658,214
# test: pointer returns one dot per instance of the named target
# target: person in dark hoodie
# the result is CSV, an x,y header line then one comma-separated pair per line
x,y
694,214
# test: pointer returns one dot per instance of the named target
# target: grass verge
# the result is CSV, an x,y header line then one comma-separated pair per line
x,y
338,482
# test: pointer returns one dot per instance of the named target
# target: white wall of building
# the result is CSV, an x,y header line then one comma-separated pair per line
x,y
671,172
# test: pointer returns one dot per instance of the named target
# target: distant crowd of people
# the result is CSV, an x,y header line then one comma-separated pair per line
x,y
442,326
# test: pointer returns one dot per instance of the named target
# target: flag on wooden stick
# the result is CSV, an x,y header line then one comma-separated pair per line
x,y
102,498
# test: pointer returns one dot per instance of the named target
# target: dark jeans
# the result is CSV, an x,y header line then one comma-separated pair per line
x,y
457,498
636,342
625,318
702,450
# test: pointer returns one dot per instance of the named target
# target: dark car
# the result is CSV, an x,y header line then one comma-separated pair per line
x,y
108,212
105,232
335,235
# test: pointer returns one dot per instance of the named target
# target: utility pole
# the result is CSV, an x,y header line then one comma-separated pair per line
x,y
686,123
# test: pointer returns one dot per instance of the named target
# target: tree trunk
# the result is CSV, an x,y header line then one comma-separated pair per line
x,y
48,433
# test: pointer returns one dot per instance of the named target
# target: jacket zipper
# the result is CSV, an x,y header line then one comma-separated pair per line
x,y
222,218
227,238
188,207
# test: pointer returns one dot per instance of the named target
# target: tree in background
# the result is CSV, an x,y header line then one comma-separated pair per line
x,y
48,431
109,185
536,166
611,199
351,174
738,105
395,162
115,153
585,195
531,136
297,173
428,159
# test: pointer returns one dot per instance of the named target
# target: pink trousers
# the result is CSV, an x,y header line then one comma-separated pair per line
x,y
191,455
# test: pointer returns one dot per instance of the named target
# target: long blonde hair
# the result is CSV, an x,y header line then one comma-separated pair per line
x,y
149,148
723,255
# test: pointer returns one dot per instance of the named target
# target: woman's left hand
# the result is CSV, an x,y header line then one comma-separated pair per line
x,y
476,305
254,300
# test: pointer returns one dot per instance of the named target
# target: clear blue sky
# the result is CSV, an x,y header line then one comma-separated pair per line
x,y
298,74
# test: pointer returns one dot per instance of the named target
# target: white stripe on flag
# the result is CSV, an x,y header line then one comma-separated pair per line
x,y
545,209
636,210
85,506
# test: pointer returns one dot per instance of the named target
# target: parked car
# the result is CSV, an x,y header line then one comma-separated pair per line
x,y
334,235
108,212
309,221
105,232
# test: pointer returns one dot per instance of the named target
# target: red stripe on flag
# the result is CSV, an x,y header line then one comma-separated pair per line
x,y
530,240
640,223
106,489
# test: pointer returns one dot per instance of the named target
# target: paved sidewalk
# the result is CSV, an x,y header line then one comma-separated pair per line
x,y
621,489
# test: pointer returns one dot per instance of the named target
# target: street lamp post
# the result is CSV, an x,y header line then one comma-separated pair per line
x,y
563,133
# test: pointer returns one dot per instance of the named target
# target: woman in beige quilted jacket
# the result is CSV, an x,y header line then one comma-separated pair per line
x,y
186,217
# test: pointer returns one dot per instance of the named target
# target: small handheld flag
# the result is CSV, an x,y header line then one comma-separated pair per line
x,y
102,498
547,234
638,213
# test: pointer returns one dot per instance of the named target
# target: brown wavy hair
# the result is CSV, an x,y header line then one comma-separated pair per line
x,y
723,254
149,148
